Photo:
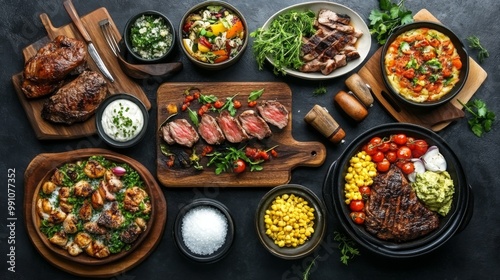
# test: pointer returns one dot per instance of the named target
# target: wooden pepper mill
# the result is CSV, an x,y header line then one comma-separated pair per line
x,y
322,121
355,102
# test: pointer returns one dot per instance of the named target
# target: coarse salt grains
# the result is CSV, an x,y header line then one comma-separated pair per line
x,y
204,230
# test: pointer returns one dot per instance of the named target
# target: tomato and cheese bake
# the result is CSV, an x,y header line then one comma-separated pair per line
x,y
422,65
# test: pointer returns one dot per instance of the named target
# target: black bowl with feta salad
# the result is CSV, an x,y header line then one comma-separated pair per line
x,y
149,37
213,35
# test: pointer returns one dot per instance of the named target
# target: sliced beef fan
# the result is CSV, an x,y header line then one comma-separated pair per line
x,y
76,101
273,112
231,128
393,211
210,130
183,132
254,125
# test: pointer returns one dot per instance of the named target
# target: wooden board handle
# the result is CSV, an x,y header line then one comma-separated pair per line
x,y
68,5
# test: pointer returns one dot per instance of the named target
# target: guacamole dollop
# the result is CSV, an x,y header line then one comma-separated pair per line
x,y
435,190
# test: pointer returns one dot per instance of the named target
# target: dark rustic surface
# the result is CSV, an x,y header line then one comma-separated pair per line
x,y
471,254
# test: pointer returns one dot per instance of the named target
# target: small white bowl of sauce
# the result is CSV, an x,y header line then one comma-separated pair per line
x,y
122,120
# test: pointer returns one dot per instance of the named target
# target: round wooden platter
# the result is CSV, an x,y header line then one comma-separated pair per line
x,y
43,163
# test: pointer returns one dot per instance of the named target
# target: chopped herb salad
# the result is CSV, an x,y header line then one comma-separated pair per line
x,y
151,37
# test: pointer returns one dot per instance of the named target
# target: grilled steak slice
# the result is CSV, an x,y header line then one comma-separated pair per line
x,y
165,131
393,211
231,128
210,130
329,16
51,64
254,125
273,112
183,132
76,101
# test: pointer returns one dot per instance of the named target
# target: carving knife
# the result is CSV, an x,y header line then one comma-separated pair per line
x,y
68,5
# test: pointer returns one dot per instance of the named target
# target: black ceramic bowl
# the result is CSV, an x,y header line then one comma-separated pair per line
x,y
464,58
217,254
103,119
169,39
188,49
455,221
319,223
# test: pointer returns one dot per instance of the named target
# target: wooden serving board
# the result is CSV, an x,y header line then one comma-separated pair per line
x,y
123,84
277,171
44,163
435,119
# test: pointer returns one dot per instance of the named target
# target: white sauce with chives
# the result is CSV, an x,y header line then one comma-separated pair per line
x,y
122,120
204,230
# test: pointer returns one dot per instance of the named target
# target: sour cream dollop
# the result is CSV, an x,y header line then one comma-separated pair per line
x,y
122,120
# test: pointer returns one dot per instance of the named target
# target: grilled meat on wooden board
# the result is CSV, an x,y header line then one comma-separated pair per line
x,y
393,211
44,72
76,101
273,112
254,125
232,129
210,130
182,132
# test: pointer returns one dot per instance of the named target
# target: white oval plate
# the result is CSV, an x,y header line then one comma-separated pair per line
x,y
363,45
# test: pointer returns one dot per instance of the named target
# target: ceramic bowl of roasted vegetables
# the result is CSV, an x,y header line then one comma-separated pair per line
x,y
424,65
213,35
399,190
149,37
290,221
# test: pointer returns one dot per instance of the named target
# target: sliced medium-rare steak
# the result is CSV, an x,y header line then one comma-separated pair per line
x,y
183,132
165,133
76,101
210,131
273,112
393,211
231,128
254,125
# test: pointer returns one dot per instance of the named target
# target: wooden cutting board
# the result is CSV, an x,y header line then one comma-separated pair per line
x,y
435,119
44,163
123,84
277,171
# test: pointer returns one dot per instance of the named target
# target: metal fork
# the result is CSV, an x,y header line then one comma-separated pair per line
x,y
110,36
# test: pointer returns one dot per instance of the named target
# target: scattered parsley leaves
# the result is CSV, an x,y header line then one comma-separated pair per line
x,y
385,20
320,91
481,119
475,44
347,247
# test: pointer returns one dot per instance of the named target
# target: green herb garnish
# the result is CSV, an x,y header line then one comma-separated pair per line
x,y
305,276
281,42
385,20
481,119
254,95
347,247
320,91
224,161
474,43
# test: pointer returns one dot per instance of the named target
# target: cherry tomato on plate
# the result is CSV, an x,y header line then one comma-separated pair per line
x,y
399,139
403,153
365,191
239,166
378,156
420,148
358,217
407,168
383,166
357,205
391,156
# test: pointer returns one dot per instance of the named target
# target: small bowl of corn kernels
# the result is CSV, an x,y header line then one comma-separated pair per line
x,y
290,221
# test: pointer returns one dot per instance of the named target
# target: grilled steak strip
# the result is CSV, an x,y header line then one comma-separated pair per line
x,y
76,101
183,132
273,112
393,211
231,128
210,131
254,125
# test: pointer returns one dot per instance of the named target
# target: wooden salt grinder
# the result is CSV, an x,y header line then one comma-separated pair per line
x,y
322,121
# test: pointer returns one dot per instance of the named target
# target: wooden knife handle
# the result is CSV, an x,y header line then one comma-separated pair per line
x,y
68,5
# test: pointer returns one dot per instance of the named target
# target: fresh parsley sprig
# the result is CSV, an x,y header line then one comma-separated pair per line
x,y
390,16
347,247
481,119
475,44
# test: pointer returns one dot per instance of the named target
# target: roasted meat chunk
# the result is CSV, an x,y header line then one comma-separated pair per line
x,y
76,101
232,129
254,125
393,211
183,132
273,112
210,130
44,71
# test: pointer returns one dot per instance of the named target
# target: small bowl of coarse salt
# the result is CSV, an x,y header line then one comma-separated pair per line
x,y
204,230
